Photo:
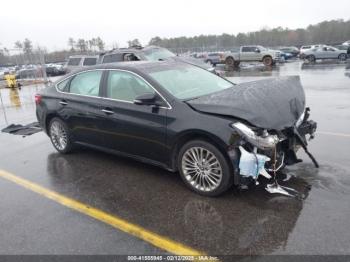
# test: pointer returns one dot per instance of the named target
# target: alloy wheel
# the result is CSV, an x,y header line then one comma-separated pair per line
x,y
201,169
58,135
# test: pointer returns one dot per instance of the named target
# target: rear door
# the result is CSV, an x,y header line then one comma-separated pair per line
x,y
80,106
138,130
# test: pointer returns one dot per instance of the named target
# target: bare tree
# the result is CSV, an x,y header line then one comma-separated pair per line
x,y
134,42
81,45
27,46
71,43
100,44
18,44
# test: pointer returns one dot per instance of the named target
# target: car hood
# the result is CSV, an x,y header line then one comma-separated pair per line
x,y
271,103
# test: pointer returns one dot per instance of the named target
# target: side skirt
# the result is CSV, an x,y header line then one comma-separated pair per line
x,y
122,154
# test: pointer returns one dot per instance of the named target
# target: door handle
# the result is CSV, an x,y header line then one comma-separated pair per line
x,y
63,102
107,111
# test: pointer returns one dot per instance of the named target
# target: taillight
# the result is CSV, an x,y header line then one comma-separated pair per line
x,y
38,99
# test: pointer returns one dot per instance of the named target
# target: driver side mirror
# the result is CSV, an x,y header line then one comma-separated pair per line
x,y
257,50
147,99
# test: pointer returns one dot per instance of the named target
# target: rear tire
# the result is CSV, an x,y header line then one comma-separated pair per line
x,y
60,136
230,61
204,169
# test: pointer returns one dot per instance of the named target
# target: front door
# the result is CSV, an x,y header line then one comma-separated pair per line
x,y
138,130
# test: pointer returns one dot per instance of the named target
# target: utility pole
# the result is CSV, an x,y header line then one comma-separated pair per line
x,y
43,66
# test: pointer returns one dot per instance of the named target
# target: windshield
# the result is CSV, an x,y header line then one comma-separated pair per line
x,y
156,54
262,48
189,82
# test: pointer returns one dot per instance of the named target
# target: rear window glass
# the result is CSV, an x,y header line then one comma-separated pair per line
x,y
113,58
86,83
74,61
90,61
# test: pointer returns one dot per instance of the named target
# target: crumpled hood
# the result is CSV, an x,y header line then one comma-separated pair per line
x,y
270,103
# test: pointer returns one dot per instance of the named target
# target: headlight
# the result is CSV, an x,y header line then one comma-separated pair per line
x,y
300,119
263,142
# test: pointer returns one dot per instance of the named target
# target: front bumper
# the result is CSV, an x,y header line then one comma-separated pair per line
x,y
250,162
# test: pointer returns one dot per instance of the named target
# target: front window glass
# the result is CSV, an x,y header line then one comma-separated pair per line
x,y
247,49
126,86
74,61
186,82
156,54
87,83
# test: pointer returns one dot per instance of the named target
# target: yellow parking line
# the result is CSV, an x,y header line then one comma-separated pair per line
x,y
112,220
333,134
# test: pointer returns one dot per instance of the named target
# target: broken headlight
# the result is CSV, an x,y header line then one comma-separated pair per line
x,y
264,141
300,120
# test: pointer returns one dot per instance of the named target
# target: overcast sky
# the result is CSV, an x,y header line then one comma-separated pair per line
x,y
51,23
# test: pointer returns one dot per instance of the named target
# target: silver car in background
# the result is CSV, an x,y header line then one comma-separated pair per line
x,y
78,61
325,52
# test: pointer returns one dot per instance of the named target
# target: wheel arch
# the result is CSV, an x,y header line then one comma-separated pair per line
x,y
189,135
48,118
230,57
265,56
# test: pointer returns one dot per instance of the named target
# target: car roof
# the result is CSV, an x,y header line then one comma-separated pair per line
x,y
83,56
131,66
129,49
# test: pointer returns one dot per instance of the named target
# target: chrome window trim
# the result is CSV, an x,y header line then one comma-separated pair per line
x,y
107,98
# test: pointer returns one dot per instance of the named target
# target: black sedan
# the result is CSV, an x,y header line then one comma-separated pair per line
x,y
180,117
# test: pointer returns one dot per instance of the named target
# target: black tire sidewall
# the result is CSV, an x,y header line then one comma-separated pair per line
x,y
269,59
69,145
311,58
232,61
342,57
227,175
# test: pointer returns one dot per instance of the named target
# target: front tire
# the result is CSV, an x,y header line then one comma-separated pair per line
x,y
311,58
204,169
209,62
342,57
267,60
60,136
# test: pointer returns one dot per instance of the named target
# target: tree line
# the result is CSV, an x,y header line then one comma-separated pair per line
x,y
327,32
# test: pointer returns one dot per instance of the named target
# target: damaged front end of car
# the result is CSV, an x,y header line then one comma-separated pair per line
x,y
269,123
263,152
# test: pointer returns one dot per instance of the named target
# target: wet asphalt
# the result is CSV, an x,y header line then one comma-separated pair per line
x,y
249,222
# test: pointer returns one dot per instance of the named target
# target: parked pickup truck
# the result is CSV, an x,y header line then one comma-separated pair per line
x,y
250,53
